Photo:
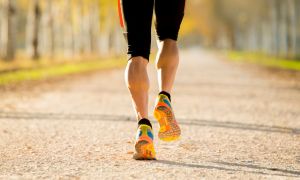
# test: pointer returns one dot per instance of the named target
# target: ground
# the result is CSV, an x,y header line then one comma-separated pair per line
x,y
237,122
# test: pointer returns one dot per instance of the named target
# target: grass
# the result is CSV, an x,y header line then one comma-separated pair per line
x,y
42,72
264,60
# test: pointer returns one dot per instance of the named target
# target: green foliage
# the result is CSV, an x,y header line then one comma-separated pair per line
x,y
58,70
264,60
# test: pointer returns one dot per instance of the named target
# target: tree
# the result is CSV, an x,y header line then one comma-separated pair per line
x,y
292,34
36,29
8,29
47,30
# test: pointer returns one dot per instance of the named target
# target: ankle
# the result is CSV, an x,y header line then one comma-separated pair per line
x,y
166,94
145,121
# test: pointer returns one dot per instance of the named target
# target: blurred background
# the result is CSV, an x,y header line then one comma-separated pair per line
x,y
33,30
270,26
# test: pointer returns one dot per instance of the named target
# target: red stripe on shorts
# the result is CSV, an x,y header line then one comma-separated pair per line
x,y
120,13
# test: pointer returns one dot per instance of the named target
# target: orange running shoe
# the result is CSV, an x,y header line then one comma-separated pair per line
x,y
169,129
144,148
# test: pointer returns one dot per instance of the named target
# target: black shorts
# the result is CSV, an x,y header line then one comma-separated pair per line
x,y
136,19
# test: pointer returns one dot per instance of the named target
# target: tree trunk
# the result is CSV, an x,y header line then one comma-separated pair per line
x,y
283,32
1,24
33,30
297,20
292,28
274,5
267,37
68,30
36,29
79,40
8,30
47,31
105,37
95,27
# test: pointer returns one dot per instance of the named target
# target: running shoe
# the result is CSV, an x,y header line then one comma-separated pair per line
x,y
144,148
169,129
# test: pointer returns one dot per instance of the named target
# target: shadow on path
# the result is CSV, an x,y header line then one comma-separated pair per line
x,y
231,84
235,167
237,125
109,117
252,166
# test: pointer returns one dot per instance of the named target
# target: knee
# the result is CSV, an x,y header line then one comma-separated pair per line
x,y
167,54
136,73
167,46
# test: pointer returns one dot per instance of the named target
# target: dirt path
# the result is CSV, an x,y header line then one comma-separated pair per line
x,y
236,122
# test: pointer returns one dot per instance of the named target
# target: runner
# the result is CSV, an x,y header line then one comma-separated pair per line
x,y
136,20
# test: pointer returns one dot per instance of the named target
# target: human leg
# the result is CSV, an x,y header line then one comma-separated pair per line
x,y
136,18
169,15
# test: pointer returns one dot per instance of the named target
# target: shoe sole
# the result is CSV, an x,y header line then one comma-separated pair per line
x,y
162,114
144,151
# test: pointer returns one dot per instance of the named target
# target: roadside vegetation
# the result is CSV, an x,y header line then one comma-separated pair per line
x,y
264,60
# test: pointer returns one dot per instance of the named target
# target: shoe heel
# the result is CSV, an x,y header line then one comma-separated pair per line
x,y
144,151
